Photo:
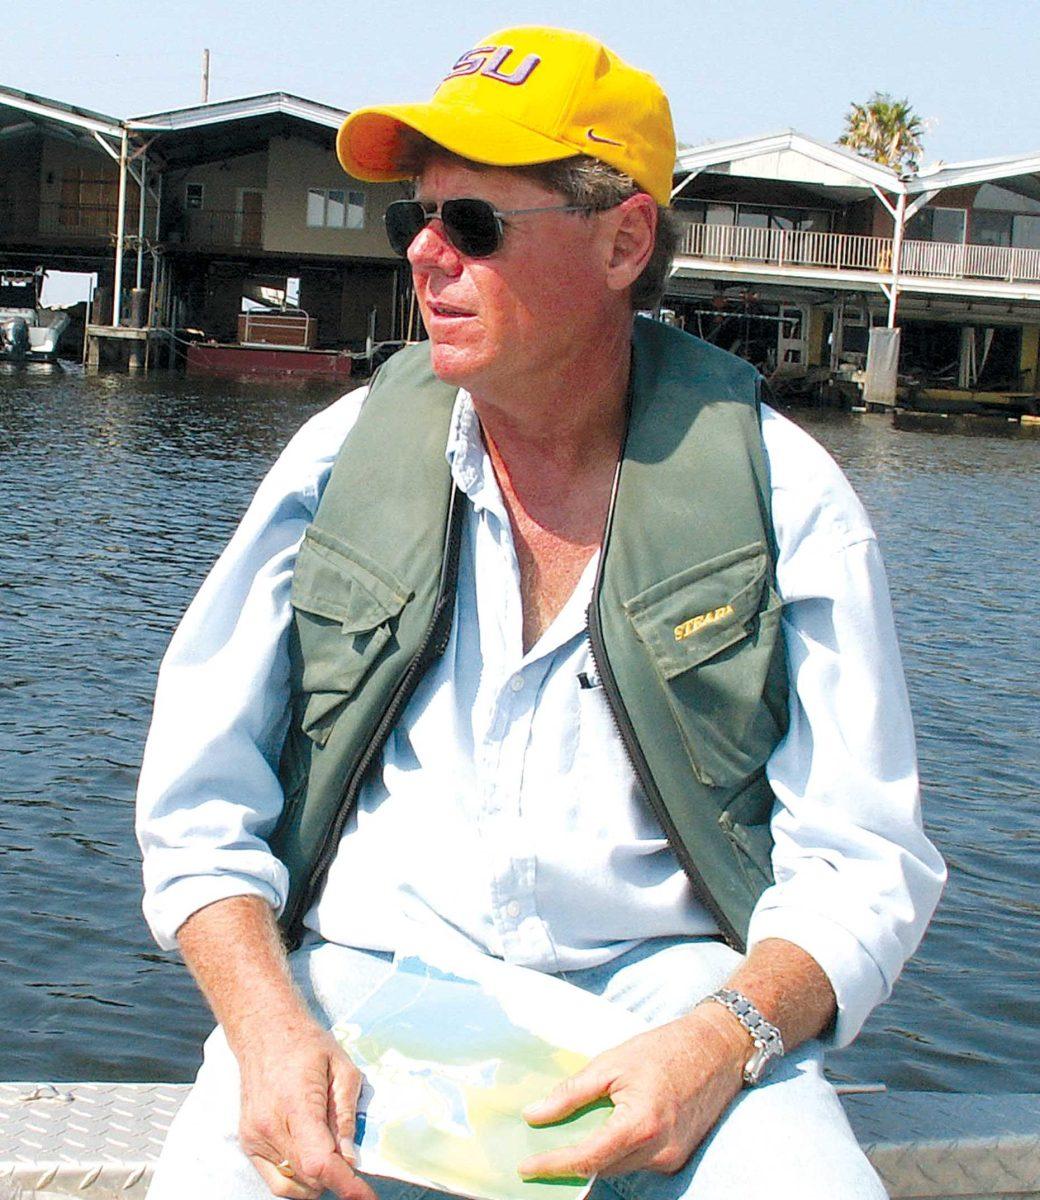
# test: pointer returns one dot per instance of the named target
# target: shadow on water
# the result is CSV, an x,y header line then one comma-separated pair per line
x,y
117,495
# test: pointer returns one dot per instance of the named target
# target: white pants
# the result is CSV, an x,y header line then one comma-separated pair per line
x,y
787,1139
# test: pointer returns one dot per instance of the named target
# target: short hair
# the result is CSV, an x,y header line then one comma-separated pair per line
x,y
580,180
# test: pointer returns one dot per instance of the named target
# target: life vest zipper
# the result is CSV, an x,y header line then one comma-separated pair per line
x,y
623,722
641,769
434,643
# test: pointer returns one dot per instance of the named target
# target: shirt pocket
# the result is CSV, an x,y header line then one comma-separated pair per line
x,y
711,633
345,608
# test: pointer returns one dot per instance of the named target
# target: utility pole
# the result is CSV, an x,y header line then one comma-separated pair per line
x,y
205,77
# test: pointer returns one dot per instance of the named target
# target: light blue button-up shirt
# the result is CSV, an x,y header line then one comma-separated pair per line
x,y
506,809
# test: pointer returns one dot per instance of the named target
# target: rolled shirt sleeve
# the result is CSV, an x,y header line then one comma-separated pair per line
x,y
856,879
209,793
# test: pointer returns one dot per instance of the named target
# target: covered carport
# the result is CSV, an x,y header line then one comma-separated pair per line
x,y
49,215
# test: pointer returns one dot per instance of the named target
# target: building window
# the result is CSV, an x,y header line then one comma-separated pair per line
x,y
761,216
334,208
691,210
755,216
720,214
990,228
193,194
1025,231
937,225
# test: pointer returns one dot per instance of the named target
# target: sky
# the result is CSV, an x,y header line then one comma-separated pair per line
x,y
732,68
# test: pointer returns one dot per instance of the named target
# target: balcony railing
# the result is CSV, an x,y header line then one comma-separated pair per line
x,y
857,252
211,228
220,227
95,222
956,261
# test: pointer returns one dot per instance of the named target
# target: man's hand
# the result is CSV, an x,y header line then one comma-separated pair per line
x,y
669,1086
299,1088
299,1095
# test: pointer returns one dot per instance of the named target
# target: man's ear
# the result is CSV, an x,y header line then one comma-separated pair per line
x,y
634,229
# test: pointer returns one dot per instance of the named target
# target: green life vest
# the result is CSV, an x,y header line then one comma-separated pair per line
x,y
684,624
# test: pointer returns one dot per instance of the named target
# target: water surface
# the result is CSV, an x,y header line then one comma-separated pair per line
x,y
117,494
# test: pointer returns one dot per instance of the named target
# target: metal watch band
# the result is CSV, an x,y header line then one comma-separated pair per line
x,y
768,1042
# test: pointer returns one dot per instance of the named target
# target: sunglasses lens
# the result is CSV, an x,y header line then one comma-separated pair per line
x,y
404,219
472,227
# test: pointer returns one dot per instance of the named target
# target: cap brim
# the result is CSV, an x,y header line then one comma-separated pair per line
x,y
368,141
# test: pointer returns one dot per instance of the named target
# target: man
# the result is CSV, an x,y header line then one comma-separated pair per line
x,y
460,673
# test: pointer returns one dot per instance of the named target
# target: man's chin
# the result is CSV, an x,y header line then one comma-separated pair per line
x,y
453,365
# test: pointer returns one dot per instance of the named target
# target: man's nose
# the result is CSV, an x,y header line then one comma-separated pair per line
x,y
431,251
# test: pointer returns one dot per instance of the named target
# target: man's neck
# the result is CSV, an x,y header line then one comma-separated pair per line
x,y
569,415
554,445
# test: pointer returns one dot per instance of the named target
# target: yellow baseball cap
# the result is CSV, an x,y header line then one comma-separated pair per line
x,y
528,95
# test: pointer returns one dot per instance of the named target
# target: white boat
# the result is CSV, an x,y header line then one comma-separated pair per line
x,y
28,331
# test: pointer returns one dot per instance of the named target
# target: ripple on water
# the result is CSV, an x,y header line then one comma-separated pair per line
x,y
117,494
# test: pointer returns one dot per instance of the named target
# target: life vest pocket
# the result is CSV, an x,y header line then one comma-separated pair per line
x,y
712,633
344,613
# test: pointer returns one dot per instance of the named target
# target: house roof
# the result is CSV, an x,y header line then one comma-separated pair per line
x,y
229,128
239,126
244,108
41,109
982,170
796,157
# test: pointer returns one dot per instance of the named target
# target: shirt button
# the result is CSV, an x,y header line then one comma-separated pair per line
x,y
517,683
513,909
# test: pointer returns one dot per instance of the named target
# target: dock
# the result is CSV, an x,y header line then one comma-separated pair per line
x,y
100,1141
143,345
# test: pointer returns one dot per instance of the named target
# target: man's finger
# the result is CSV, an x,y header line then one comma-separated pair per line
x,y
582,1160
317,1161
567,1097
281,1185
344,1090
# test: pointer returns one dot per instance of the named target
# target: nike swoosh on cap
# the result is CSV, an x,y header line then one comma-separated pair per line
x,y
594,137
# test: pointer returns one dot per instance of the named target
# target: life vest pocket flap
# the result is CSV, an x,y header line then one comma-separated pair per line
x,y
691,617
345,609
334,581
711,633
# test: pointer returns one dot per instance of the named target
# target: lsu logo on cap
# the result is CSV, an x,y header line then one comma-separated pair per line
x,y
489,61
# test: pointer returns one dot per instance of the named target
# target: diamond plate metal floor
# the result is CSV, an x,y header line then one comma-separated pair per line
x,y
939,1145
99,1141
83,1139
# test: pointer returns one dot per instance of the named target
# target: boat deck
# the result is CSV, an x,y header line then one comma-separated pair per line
x,y
100,1140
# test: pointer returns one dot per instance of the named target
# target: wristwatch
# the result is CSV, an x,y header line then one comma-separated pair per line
x,y
768,1042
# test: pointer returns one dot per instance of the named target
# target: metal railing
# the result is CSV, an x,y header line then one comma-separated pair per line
x,y
951,260
97,222
857,252
221,227
92,221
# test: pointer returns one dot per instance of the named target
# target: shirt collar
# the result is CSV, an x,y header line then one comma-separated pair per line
x,y
468,459
472,472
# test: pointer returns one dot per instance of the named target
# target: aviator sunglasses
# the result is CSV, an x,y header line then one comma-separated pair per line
x,y
474,227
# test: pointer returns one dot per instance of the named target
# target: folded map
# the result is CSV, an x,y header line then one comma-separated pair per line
x,y
452,1051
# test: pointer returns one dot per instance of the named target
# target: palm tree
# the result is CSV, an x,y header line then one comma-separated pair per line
x,y
886,130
